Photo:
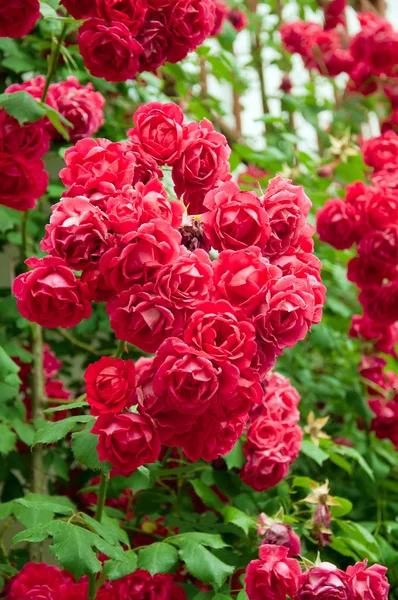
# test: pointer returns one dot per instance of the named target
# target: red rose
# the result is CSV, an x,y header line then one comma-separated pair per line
x,y
362,79
187,281
131,14
50,295
381,152
238,19
335,13
287,313
77,232
382,209
127,441
384,424
219,330
91,163
279,401
80,9
140,255
146,166
18,17
36,581
190,22
219,17
380,248
141,584
363,273
80,105
110,385
155,39
203,161
337,224
29,139
368,583
22,181
243,278
235,219
323,582
160,130
274,576
287,207
385,337
109,50
381,302
143,318
98,290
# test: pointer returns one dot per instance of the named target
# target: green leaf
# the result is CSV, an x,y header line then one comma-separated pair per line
x,y
203,565
57,120
212,540
354,454
206,494
309,449
238,518
7,439
24,431
84,448
361,540
32,518
50,432
73,547
235,459
158,558
22,106
116,569
6,509
55,409
57,504
344,508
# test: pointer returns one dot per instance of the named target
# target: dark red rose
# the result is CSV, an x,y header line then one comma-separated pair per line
x,y
243,278
237,18
98,290
323,582
235,219
219,330
160,130
130,13
155,39
146,166
80,105
335,13
127,441
140,255
29,139
337,224
80,9
50,295
22,181
380,249
77,232
274,576
385,337
363,273
37,581
109,50
144,318
368,582
287,207
385,421
98,165
141,585
381,302
275,533
110,385
187,281
190,22
18,17
362,79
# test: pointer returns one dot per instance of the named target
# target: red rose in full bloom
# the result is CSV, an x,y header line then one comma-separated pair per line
x,y
80,9
187,281
109,50
50,295
22,181
382,209
243,278
81,105
127,441
203,161
18,17
160,130
36,581
363,273
98,290
29,139
235,219
96,163
368,583
381,152
323,582
279,401
219,330
380,249
287,207
110,385
385,337
273,576
337,224
381,302
140,255
155,39
287,313
144,318
190,22
77,232
141,584
131,14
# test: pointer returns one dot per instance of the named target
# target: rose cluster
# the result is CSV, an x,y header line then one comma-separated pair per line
x,y
216,327
18,17
275,570
274,436
119,39
236,17
369,58
39,580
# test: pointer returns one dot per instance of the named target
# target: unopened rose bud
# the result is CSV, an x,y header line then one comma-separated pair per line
x,y
286,84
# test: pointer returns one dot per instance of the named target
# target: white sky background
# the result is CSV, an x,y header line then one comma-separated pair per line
x,y
251,101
